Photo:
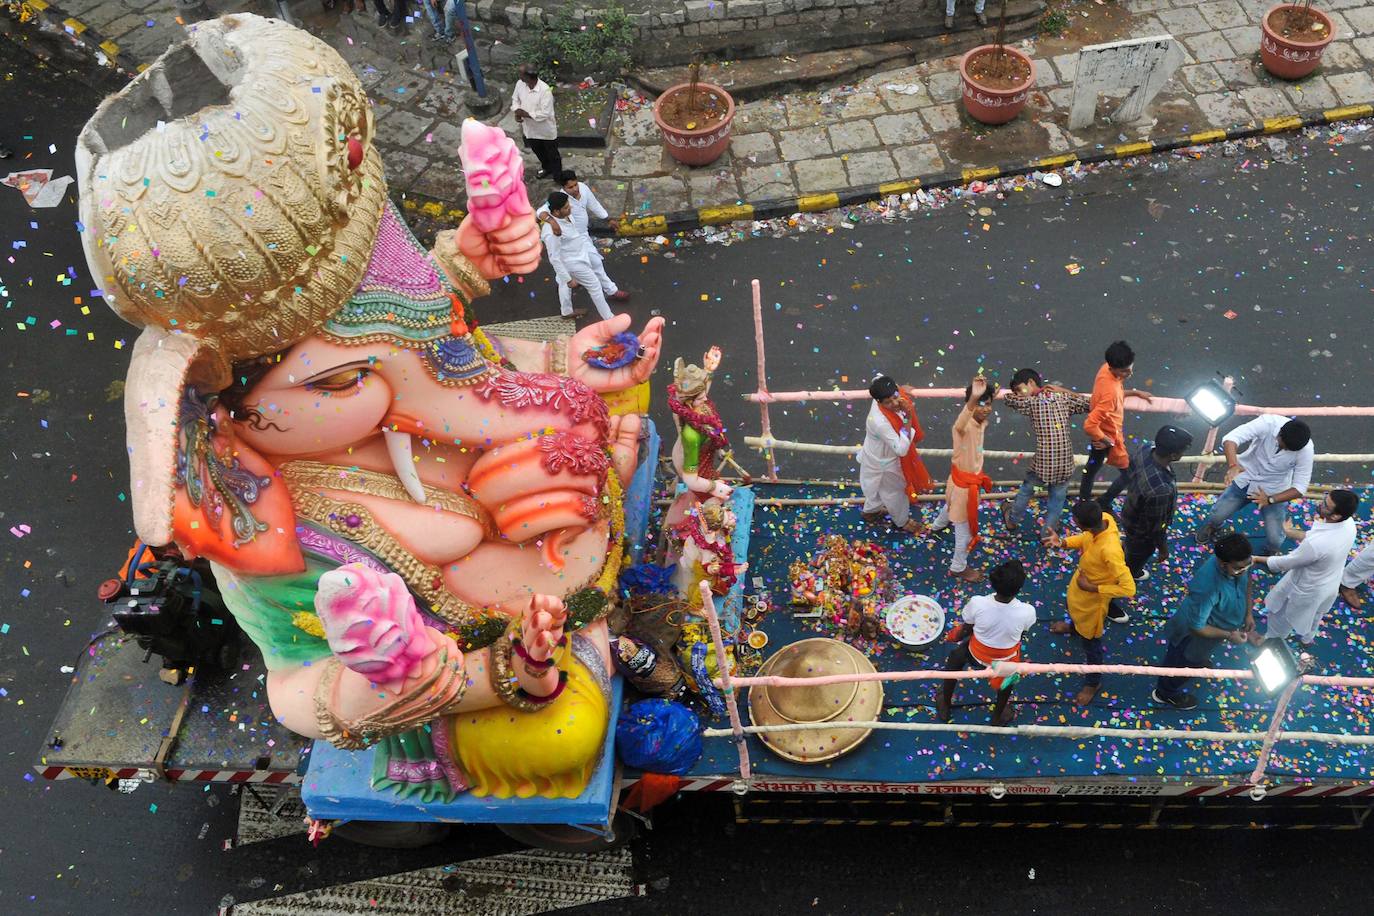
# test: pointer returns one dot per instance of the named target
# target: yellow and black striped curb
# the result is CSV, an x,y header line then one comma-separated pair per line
x,y
682,220
685,220
85,36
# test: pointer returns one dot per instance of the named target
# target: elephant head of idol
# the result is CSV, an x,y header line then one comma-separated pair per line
x,y
306,376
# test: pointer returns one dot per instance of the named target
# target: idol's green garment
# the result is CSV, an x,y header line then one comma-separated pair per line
x,y
278,614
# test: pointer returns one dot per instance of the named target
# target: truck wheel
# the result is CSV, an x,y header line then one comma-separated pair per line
x,y
564,838
392,834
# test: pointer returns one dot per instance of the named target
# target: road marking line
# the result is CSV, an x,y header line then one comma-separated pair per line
x,y
76,27
990,171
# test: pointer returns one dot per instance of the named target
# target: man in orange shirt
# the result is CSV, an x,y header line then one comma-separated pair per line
x,y
966,477
1103,424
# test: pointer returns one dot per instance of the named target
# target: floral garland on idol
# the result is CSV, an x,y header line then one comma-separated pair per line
x,y
705,421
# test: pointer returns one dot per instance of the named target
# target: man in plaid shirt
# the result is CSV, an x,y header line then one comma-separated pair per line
x,y
1050,408
1151,492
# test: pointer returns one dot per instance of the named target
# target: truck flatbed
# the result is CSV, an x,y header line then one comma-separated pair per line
x,y
895,762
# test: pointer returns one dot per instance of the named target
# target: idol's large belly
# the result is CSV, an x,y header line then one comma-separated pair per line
x,y
498,574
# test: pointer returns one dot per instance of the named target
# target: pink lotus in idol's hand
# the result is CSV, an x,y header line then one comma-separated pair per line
x,y
499,234
371,622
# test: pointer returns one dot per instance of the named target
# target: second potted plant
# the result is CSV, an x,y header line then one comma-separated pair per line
x,y
695,119
1292,39
997,80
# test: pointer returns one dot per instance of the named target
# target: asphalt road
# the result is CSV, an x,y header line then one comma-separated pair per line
x,y
1255,264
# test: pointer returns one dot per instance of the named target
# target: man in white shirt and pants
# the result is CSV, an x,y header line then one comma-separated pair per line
x,y
1276,468
584,206
880,458
1357,572
1312,573
574,257
532,102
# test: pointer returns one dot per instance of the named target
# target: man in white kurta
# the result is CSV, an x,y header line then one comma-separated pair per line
x,y
880,459
1312,573
585,205
571,253
1357,572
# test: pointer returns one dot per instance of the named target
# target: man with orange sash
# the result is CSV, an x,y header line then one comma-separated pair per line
x,y
991,632
890,471
966,477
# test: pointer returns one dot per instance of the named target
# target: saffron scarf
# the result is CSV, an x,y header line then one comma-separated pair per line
x,y
972,483
913,468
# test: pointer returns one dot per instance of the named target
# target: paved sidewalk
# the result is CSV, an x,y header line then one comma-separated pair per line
x,y
909,123
899,124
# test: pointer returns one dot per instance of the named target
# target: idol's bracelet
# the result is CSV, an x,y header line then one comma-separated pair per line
x,y
507,686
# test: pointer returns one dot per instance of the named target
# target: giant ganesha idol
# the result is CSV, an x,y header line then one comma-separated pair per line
x,y
394,517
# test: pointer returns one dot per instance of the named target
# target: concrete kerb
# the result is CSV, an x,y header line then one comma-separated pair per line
x,y
89,38
684,220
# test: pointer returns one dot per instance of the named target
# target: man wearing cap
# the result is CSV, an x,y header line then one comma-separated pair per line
x,y
1276,468
1312,573
890,471
1151,493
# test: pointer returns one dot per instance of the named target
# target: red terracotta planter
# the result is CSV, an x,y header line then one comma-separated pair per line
x,y
696,147
994,106
1288,59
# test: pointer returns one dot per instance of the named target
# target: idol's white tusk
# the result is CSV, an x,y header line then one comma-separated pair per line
x,y
403,460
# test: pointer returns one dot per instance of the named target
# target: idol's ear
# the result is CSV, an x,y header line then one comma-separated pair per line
x,y
192,482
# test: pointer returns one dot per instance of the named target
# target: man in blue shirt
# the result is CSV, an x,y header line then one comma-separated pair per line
x,y
1216,610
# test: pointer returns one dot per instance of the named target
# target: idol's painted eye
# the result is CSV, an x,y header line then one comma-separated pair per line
x,y
344,383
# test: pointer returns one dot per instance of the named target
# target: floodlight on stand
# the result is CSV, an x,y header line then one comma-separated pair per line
x,y
1212,402
1274,665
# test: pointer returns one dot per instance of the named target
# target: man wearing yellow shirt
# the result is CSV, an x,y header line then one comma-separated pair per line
x,y
1102,575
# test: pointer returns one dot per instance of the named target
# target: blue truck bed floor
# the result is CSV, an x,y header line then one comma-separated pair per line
x,y
782,534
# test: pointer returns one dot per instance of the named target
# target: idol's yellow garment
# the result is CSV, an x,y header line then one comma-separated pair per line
x,y
505,752
1102,563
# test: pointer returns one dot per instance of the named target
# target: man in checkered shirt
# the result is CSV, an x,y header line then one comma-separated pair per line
x,y
1050,409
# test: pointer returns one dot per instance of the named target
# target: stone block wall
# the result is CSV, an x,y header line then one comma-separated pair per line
x,y
690,23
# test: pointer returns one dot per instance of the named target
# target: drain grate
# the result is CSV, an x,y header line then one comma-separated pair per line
x,y
513,884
